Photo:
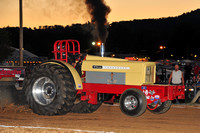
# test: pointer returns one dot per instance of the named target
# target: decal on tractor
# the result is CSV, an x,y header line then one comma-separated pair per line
x,y
152,98
144,87
146,92
157,97
152,92
96,67
110,67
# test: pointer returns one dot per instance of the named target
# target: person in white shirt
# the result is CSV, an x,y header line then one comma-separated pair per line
x,y
176,77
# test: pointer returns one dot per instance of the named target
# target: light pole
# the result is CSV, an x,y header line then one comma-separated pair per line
x,y
21,60
162,48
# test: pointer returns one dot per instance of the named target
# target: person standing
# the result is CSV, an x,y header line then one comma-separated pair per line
x,y
176,77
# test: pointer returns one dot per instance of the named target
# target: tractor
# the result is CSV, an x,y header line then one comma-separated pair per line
x,y
80,83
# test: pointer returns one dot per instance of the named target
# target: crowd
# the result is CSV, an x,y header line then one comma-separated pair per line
x,y
188,76
193,72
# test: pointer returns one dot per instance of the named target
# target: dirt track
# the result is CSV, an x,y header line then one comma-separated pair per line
x,y
180,118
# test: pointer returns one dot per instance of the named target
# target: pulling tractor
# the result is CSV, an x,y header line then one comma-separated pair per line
x,y
80,83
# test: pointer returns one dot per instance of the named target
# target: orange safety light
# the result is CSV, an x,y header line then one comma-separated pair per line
x,y
99,44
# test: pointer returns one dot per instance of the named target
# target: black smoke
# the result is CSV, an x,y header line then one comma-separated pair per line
x,y
99,12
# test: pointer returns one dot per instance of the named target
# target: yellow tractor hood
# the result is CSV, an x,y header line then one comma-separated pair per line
x,y
136,71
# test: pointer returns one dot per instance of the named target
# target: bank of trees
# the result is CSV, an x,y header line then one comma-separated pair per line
x,y
180,35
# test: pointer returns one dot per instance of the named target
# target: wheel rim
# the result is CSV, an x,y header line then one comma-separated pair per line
x,y
44,91
131,102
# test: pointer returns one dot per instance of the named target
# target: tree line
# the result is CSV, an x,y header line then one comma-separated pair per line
x,y
180,35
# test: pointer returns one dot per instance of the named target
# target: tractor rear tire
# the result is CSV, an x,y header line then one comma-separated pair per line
x,y
161,109
133,102
85,107
50,90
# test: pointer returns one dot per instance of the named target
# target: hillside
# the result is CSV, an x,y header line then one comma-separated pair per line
x,y
180,35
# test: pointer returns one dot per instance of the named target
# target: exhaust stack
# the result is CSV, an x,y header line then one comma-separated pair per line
x,y
102,50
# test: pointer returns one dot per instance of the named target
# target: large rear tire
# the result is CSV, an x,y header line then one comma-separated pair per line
x,y
162,108
133,102
50,90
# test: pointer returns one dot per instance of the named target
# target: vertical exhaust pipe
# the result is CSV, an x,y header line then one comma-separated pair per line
x,y
102,50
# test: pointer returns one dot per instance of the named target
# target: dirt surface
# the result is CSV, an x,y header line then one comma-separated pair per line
x,y
180,118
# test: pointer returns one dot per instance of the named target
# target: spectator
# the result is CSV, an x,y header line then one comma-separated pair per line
x,y
176,76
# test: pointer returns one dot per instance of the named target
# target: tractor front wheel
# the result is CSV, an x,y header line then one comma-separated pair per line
x,y
133,102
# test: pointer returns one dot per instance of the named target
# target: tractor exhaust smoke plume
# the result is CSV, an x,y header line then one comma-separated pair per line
x,y
99,12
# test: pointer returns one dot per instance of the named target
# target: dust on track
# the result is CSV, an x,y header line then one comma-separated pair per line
x,y
180,118
12,108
